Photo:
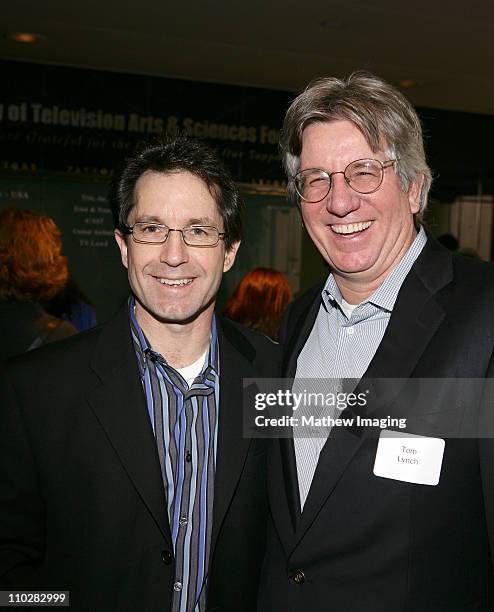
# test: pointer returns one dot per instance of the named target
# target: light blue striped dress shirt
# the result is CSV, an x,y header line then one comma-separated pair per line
x,y
342,347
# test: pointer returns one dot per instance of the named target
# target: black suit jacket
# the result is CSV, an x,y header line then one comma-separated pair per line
x,y
370,544
82,501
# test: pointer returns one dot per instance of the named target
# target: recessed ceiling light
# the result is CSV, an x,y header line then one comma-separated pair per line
x,y
25,37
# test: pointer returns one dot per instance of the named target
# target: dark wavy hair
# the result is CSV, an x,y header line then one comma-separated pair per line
x,y
180,154
32,267
260,301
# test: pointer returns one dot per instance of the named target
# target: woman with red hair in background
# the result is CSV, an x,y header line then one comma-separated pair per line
x,y
260,300
32,271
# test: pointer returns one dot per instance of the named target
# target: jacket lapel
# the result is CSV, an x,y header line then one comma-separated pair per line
x,y
416,315
120,407
284,497
286,506
302,324
236,356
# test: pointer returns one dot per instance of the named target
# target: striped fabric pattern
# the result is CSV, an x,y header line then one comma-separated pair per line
x,y
185,425
340,347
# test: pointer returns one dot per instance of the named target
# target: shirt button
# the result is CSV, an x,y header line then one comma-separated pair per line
x,y
177,586
183,520
350,330
188,456
298,576
166,557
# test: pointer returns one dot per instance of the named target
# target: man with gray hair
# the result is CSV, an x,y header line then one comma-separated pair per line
x,y
366,518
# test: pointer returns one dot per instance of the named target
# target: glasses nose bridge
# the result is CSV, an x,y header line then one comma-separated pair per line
x,y
173,229
172,246
331,180
340,199
173,252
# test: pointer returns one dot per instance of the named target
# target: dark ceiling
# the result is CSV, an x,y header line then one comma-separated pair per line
x,y
444,49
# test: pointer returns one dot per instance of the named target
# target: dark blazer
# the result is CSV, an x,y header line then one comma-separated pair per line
x,y
370,544
82,501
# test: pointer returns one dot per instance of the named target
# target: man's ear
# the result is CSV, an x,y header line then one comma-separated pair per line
x,y
122,245
230,255
414,193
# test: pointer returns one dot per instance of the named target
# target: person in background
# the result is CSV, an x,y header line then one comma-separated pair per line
x,y
32,271
260,301
72,305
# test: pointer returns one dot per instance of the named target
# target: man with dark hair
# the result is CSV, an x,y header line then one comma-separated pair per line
x,y
180,155
124,476
371,512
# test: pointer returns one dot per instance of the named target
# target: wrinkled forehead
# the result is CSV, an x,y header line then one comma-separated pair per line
x,y
375,139
325,144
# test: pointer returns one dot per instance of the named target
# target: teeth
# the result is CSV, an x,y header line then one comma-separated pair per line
x,y
175,282
351,227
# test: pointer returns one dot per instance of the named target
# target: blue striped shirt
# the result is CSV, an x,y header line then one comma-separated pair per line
x,y
185,424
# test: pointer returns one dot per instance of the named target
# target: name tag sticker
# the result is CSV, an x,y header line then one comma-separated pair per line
x,y
409,458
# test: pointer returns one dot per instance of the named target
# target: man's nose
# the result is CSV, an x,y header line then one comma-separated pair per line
x,y
174,251
341,199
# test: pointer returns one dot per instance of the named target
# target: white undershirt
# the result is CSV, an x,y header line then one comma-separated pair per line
x,y
347,308
190,372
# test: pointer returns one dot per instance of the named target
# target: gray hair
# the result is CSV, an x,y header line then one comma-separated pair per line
x,y
384,116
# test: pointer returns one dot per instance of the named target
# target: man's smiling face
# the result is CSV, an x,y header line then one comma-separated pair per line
x,y
361,236
174,283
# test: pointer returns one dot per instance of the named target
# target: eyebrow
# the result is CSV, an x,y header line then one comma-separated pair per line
x,y
194,221
148,219
201,221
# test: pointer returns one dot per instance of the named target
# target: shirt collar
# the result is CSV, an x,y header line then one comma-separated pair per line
x,y
386,294
143,348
